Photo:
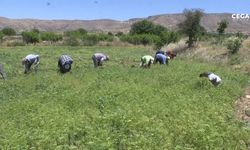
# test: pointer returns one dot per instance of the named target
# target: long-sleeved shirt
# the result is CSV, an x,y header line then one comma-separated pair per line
x,y
146,59
100,57
65,59
32,58
214,77
162,58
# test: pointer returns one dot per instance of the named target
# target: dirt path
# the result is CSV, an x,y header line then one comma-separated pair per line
x,y
243,104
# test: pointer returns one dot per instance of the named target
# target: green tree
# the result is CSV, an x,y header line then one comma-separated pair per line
x,y
191,25
30,37
142,27
8,31
152,34
222,26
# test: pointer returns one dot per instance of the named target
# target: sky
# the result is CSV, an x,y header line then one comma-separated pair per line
x,y
113,9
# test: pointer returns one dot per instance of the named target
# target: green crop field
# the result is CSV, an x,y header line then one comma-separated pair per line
x,y
118,106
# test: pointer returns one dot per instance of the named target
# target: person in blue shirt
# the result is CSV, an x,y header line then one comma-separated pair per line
x,y
64,63
161,58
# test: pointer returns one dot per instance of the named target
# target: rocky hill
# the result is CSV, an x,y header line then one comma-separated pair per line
x,y
209,21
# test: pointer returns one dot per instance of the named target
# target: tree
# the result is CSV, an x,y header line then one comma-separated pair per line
x,y
142,27
8,31
222,26
30,37
151,34
191,25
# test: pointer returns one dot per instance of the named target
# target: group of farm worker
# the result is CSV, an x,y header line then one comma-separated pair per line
x,y
160,57
65,62
163,58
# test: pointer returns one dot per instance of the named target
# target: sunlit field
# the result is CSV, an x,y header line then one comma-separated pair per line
x,y
117,106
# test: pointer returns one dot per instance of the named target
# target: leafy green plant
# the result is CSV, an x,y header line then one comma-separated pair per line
x,y
234,45
8,31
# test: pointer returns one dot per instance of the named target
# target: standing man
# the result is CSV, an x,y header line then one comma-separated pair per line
x,y
29,60
64,63
146,61
99,58
213,78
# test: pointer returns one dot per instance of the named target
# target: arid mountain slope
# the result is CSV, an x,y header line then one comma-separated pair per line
x,y
209,21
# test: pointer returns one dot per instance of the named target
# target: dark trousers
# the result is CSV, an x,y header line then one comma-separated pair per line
x,y
27,66
96,62
63,68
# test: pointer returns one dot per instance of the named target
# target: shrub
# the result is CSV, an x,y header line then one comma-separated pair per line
x,y
233,45
71,41
119,34
76,33
8,31
30,37
1,36
50,36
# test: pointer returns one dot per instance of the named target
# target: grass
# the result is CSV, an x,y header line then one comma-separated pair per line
x,y
117,106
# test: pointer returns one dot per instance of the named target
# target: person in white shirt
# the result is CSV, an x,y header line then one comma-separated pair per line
x,y
213,78
99,58
29,60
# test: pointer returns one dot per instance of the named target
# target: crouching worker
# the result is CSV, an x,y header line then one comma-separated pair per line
x,y
213,78
146,61
2,73
64,63
29,60
99,58
171,54
161,58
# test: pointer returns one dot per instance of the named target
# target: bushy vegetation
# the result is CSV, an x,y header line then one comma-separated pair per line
x,y
1,36
117,106
8,31
50,36
30,37
146,33
234,44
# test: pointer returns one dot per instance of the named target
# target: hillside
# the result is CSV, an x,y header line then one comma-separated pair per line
x,y
209,21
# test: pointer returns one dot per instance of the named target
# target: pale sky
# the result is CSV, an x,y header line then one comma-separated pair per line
x,y
112,9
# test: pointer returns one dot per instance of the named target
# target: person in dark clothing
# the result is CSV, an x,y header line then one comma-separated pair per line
x,y
64,63
29,60
99,58
159,52
2,73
